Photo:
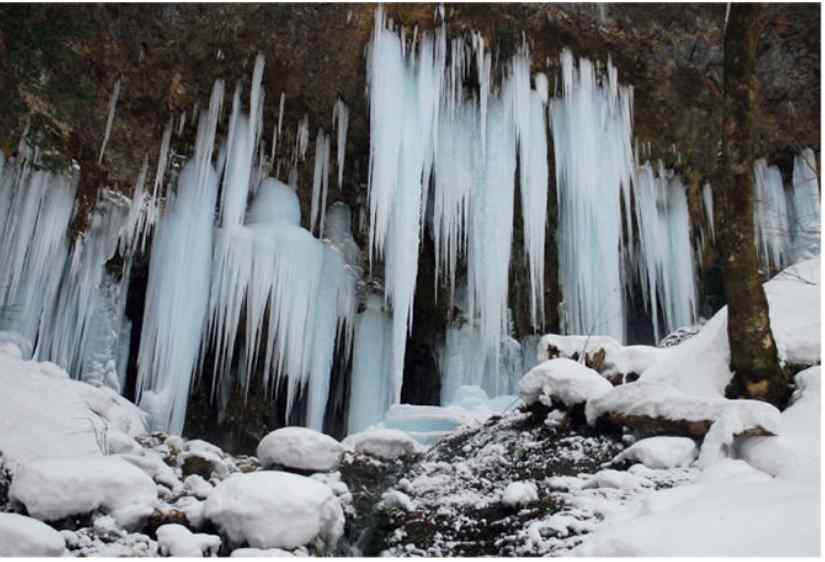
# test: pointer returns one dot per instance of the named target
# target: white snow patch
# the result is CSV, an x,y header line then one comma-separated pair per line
x,y
660,452
518,494
301,448
24,536
272,509
565,380
613,479
52,489
177,540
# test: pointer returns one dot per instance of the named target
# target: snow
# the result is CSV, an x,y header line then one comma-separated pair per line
x,y
564,380
518,494
660,452
609,478
275,510
301,448
197,486
654,400
386,444
618,358
52,489
177,540
398,500
77,417
261,553
24,536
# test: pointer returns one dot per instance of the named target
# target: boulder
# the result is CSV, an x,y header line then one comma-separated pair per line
x,y
300,448
660,452
273,509
25,536
386,444
564,381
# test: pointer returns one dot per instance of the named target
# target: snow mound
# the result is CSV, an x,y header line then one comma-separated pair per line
x,y
660,401
564,380
272,509
617,359
386,444
47,416
301,448
795,453
52,489
794,303
518,494
613,479
261,553
24,536
660,452
177,540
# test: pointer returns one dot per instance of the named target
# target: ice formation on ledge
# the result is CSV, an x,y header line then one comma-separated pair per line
x,y
665,261
592,117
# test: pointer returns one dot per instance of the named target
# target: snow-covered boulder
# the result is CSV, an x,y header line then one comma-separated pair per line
x,y
795,452
386,444
204,459
300,448
177,540
197,486
563,380
272,509
519,494
47,416
613,479
660,452
602,353
660,407
56,488
24,536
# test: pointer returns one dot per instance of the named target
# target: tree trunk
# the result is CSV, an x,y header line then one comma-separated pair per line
x,y
754,359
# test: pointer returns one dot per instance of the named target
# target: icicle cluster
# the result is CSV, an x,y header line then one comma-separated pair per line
x,y
665,260
591,126
770,216
424,129
804,206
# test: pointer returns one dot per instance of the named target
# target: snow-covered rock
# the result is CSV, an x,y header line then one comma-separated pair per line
x,y
518,494
386,444
660,452
643,402
177,540
205,459
197,486
617,358
564,380
24,536
261,553
300,448
52,489
272,509
397,499
795,452
44,416
609,478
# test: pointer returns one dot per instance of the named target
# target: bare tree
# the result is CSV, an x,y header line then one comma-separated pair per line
x,y
754,357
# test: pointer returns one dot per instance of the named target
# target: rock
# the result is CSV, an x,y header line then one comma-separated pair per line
x,y
386,444
660,452
272,509
204,459
519,494
300,448
59,488
177,540
564,381
25,536
656,408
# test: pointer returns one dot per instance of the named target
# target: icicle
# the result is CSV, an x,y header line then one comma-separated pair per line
x,y
301,139
770,217
707,201
320,181
591,127
177,294
371,393
805,207
277,132
665,259
340,122
109,120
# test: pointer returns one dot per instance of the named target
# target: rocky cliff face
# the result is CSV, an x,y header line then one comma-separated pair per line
x,y
59,66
